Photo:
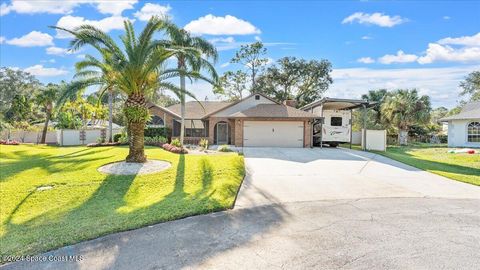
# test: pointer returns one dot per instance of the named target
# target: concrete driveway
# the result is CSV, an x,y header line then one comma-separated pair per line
x,y
280,175
307,209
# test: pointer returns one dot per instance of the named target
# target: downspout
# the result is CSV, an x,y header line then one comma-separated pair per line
x,y
351,127
321,127
364,130
311,133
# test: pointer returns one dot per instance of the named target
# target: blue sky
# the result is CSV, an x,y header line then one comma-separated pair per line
x,y
371,44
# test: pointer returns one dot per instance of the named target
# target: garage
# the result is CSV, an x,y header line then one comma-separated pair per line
x,y
273,133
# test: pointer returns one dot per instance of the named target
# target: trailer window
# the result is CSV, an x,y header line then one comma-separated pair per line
x,y
336,121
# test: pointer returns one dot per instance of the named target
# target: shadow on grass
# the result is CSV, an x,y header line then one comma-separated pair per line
x,y
68,226
401,154
25,160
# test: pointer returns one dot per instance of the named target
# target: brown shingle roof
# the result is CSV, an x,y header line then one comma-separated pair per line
x,y
193,110
273,111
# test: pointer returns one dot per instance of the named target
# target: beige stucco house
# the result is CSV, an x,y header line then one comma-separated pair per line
x,y
256,120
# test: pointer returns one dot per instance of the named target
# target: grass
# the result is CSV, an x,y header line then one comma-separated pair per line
x,y
435,159
85,204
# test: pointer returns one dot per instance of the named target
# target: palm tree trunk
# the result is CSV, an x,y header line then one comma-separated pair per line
x,y
136,129
45,127
402,137
110,115
136,152
182,104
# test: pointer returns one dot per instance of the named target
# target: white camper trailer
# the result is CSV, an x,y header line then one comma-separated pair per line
x,y
336,127
335,124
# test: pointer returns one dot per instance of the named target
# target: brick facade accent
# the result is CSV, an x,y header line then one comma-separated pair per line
x,y
238,132
212,121
307,134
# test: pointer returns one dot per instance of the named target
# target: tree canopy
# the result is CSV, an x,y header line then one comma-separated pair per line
x,y
471,86
299,79
253,57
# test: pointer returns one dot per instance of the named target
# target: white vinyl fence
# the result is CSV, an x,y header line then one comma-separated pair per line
x,y
67,137
28,136
356,137
376,140
63,137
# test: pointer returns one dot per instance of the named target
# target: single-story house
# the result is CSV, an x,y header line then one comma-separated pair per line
x,y
464,128
256,120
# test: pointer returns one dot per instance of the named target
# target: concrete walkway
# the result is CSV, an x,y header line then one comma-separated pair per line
x,y
307,209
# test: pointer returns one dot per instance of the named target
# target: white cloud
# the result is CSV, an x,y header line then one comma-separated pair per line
x,y
48,61
464,40
149,10
115,7
64,7
366,37
32,39
2,39
226,43
258,38
437,52
441,84
4,9
222,40
228,25
32,7
400,57
458,49
375,18
81,56
224,65
57,51
41,71
107,24
366,60
446,17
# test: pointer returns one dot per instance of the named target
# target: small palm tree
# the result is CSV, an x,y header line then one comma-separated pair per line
x,y
403,109
136,70
46,99
192,54
378,97
104,72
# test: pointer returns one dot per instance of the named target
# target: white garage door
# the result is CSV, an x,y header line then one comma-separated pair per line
x,y
273,133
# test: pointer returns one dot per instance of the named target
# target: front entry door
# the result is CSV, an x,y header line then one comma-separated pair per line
x,y
222,133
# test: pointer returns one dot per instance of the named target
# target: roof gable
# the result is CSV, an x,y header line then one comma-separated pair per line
x,y
242,105
151,105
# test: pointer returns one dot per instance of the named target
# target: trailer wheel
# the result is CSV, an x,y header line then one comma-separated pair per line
x,y
334,145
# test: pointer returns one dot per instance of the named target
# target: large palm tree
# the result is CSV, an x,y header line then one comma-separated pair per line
x,y
46,99
138,69
403,109
193,55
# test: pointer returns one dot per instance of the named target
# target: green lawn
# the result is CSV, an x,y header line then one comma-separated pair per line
x,y
85,204
460,167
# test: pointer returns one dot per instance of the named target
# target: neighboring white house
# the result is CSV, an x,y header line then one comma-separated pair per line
x,y
464,128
